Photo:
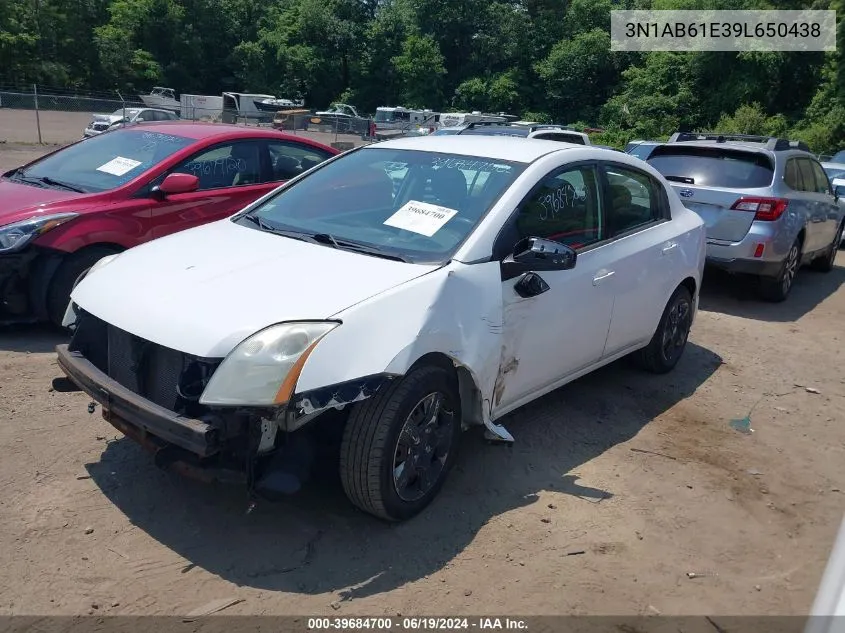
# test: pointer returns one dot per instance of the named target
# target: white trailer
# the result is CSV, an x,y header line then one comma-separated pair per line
x,y
201,107
241,105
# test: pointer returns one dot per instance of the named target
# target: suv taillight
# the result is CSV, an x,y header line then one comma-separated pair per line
x,y
765,209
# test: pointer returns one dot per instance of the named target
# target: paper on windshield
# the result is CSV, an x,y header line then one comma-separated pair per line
x,y
421,217
119,166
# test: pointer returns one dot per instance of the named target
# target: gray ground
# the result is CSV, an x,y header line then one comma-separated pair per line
x,y
618,486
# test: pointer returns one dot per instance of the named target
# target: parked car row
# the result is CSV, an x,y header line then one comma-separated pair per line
x,y
382,300
126,116
63,212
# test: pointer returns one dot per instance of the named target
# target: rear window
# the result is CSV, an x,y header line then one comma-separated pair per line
x,y
713,167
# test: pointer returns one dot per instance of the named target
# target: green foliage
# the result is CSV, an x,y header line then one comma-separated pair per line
x,y
545,60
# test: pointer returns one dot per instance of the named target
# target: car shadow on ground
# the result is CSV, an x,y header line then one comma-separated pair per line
x,y
35,339
738,295
317,542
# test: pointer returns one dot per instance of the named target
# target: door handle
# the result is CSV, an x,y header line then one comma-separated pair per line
x,y
670,248
603,275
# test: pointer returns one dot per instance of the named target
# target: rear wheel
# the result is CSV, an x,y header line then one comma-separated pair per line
x,y
826,262
399,445
70,273
669,341
778,288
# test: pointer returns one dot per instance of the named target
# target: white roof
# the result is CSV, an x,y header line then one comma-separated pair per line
x,y
520,150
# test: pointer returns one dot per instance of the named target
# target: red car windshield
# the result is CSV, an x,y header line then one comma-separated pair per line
x,y
103,162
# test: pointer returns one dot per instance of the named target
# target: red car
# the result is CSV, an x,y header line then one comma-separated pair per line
x,y
63,212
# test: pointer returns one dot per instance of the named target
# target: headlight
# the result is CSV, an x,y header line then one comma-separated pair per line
x,y
264,368
16,235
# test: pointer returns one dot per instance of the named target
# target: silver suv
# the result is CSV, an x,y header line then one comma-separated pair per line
x,y
767,203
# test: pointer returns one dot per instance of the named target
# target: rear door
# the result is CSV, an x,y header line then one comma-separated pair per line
x,y
710,180
646,252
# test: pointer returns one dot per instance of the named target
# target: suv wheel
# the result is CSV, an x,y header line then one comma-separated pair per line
x,y
826,262
399,445
778,288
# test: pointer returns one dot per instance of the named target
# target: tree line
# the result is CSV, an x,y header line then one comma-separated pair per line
x,y
547,60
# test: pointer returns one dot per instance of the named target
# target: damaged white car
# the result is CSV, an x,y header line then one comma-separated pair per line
x,y
392,296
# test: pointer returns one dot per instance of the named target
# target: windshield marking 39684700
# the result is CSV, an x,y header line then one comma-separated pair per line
x,y
417,206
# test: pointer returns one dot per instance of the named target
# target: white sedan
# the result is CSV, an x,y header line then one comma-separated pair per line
x,y
393,296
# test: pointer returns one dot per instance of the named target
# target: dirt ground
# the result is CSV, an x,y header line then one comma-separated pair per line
x,y
618,485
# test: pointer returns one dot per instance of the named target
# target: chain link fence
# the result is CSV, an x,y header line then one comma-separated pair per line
x,y
57,116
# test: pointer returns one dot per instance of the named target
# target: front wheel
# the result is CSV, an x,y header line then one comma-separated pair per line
x,y
399,445
670,339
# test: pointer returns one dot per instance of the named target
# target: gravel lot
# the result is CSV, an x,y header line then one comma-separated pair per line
x,y
618,486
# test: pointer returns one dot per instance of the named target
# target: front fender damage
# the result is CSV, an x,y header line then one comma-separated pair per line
x,y
454,311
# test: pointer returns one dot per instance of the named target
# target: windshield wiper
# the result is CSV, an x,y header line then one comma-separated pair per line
x,y
323,238
58,183
364,249
46,180
264,226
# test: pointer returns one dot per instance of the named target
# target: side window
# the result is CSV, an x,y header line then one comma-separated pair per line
x,y
288,160
822,183
791,175
805,168
634,200
229,165
565,208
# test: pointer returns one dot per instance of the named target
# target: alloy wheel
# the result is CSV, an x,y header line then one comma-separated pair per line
x,y
789,269
676,330
423,446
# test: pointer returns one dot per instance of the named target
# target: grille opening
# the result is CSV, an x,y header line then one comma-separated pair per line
x,y
169,378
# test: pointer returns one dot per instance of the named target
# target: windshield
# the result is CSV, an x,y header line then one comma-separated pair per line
x,y
641,151
106,161
417,206
835,172
839,157
713,167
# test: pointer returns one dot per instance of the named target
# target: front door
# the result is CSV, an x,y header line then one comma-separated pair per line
x,y
554,334
230,177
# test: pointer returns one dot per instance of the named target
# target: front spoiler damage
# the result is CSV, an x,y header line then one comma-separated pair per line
x,y
195,447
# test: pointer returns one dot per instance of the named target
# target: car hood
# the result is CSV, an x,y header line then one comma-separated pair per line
x,y
21,202
204,290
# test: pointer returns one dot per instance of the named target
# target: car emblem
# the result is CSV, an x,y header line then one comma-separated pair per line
x,y
687,193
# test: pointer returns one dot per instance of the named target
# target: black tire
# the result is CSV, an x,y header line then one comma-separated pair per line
x,y
371,443
661,355
777,289
826,262
70,272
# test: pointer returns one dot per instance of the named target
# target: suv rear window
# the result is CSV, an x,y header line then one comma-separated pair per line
x,y
713,167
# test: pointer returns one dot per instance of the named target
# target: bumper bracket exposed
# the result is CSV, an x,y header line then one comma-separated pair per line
x,y
124,408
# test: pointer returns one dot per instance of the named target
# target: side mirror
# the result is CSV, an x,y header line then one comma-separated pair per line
x,y
536,254
839,191
177,183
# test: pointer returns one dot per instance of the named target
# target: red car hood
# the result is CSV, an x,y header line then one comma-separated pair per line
x,y
20,202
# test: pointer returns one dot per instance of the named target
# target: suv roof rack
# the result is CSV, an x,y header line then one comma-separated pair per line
x,y
772,143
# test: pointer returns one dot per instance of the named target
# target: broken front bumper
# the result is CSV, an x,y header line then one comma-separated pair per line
x,y
125,407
